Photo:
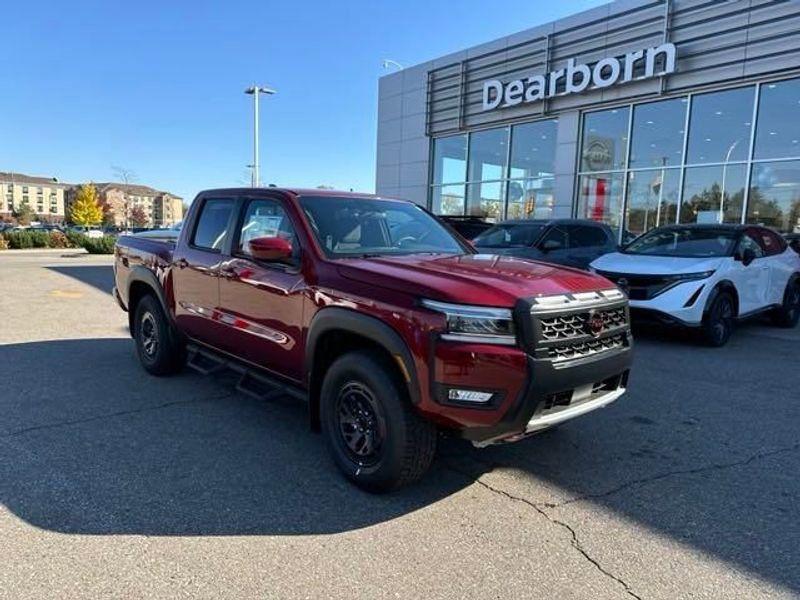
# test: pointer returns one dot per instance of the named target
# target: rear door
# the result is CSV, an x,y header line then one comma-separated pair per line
x,y
781,265
195,270
261,303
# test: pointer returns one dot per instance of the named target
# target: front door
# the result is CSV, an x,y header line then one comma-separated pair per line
x,y
752,280
195,271
262,302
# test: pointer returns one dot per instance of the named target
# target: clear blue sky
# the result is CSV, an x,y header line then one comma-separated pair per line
x,y
157,88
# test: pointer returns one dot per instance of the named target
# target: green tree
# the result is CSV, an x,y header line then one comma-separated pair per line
x,y
138,217
24,214
86,210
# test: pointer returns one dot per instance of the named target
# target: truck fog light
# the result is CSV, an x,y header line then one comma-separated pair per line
x,y
469,396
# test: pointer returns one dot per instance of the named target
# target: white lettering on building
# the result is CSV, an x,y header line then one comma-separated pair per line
x,y
578,78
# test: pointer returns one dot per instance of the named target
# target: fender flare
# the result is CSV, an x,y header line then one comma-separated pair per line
x,y
724,285
140,274
333,318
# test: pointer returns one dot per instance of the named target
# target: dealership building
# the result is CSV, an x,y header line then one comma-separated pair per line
x,y
636,113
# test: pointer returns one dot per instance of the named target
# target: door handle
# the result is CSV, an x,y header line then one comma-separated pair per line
x,y
227,271
182,263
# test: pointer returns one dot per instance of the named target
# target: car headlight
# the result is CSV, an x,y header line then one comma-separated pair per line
x,y
479,324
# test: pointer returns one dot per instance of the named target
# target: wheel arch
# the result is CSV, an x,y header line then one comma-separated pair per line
x,y
724,285
334,332
142,282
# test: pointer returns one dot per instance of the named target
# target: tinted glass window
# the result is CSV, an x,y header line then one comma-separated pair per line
x,y
531,198
488,151
748,243
713,194
657,138
600,198
450,159
605,136
583,236
448,199
264,218
686,242
364,226
533,149
775,196
778,126
485,199
770,242
557,235
652,199
507,235
719,126
212,225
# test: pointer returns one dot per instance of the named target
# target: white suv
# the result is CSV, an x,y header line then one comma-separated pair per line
x,y
708,276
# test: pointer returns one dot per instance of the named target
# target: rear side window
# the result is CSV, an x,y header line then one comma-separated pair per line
x,y
582,236
769,241
212,225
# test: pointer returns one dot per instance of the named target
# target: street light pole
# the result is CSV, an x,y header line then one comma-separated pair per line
x,y
255,91
724,173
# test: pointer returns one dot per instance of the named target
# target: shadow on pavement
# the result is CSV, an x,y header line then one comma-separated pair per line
x,y
703,450
98,276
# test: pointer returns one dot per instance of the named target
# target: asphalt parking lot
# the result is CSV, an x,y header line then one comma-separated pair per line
x,y
117,484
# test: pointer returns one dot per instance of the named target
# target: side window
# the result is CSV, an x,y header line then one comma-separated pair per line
x,y
771,242
748,242
263,218
583,236
212,225
556,234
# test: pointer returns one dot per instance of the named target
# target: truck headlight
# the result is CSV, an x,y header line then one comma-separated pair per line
x,y
480,324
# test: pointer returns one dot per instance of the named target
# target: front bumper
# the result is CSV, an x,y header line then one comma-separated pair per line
x,y
555,394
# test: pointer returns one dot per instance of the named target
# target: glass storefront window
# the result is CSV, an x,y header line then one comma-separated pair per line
x,y
713,194
652,200
533,149
488,152
485,199
605,138
600,198
719,126
450,159
778,129
448,199
531,199
657,138
775,196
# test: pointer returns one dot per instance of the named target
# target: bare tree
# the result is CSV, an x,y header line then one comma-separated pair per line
x,y
127,177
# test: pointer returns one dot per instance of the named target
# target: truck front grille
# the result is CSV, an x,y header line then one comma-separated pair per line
x,y
576,326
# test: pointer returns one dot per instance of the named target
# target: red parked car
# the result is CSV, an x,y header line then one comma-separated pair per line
x,y
389,325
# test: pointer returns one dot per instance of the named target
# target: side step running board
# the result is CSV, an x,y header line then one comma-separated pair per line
x,y
252,381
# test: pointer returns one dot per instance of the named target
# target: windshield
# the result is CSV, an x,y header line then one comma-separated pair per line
x,y
509,235
685,242
370,227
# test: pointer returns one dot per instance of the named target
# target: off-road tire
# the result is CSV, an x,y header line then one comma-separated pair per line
x,y
157,346
407,443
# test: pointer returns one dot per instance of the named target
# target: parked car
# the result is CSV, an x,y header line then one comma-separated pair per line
x,y
570,242
467,226
793,239
372,311
708,276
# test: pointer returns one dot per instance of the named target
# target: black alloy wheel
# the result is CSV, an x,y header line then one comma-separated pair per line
x,y
719,321
788,314
362,425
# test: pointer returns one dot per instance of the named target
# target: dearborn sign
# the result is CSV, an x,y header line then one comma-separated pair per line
x,y
578,78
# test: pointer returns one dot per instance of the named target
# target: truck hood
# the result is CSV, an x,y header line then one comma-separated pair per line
x,y
479,279
638,264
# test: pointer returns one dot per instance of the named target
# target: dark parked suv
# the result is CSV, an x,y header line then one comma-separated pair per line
x,y
570,242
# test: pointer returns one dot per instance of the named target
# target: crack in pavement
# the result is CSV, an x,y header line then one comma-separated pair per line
x,y
575,541
121,413
646,480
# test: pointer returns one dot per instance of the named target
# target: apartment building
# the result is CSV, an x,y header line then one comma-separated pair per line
x,y
44,195
161,209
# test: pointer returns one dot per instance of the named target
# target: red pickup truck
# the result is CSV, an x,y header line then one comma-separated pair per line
x,y
383,319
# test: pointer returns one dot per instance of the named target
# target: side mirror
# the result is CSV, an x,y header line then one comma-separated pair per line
x,y
747,256
551,245
270,249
